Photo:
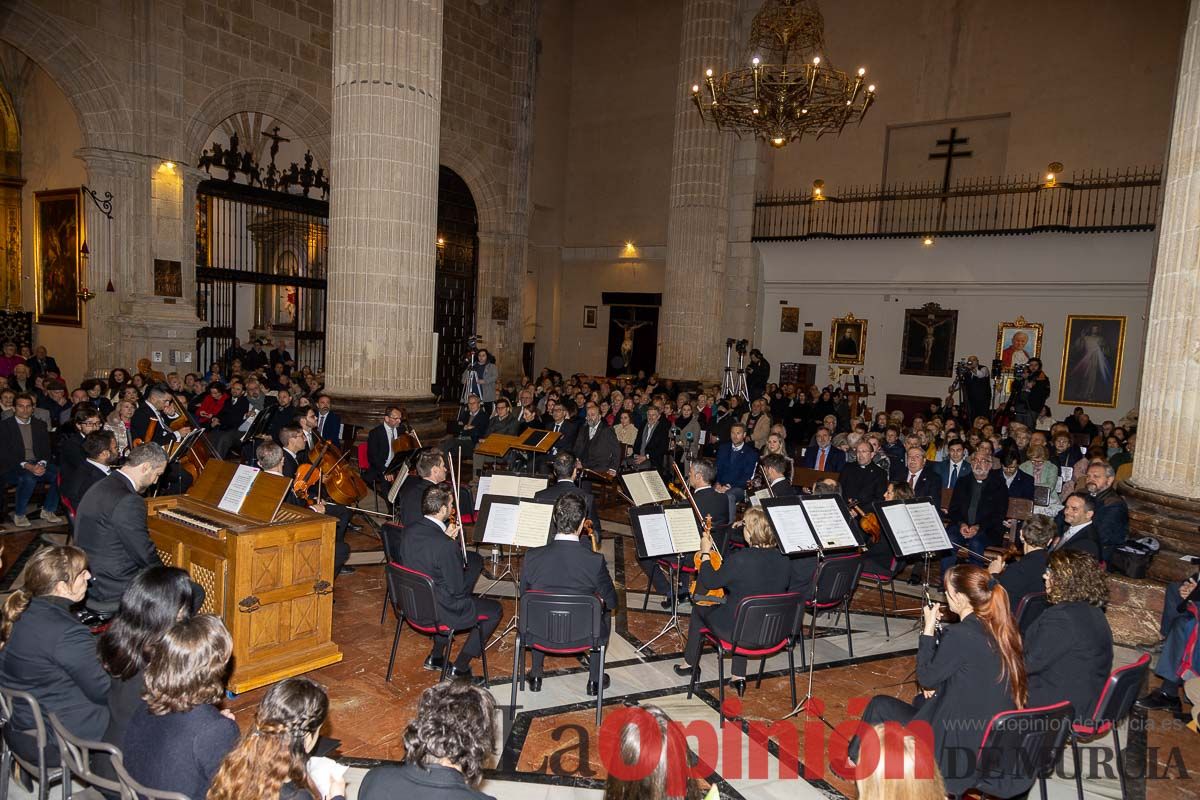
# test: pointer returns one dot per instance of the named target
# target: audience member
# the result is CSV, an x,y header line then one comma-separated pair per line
x,y
27,460
670,776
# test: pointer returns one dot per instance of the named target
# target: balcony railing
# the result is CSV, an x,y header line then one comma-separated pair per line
x,y
1088,202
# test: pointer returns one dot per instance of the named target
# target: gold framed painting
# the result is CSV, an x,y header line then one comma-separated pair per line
x,y
789,319
58,237
1093,353
1017,342
847,340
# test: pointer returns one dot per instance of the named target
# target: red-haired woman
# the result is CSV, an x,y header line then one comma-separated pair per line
x,y
976,672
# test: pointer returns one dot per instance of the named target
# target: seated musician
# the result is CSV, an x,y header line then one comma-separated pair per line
x,y
879,559
26,460
977,509
775,467
329,422
1179,661
306,420
430,546
100,450
862,480
597,445
272,458
472,427
225,427
736,460
110,526
430,471
293,458
84,420
566,471
701,474
976,672
757,569
1069,647
382,461
563,567
1024,576
154,409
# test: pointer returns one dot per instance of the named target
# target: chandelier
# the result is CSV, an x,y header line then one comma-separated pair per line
x,y
790,89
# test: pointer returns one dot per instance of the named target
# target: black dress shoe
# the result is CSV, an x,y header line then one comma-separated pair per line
x,y
683,597
434,663
683,670
666,604
592,689
534,682
738,685
347,570
1157,701
350,526
585,659
457,674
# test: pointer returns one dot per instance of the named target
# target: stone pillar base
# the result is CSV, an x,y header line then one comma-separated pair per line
x,y
1170,519
367,412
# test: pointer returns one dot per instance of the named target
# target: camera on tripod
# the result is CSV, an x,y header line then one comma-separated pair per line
x,y
473,342
741,346
962,371
1020,371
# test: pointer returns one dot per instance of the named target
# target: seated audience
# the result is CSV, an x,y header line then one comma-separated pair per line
x,y
671,760
270,762
736,461
1112,513
446,746
1069,647
1039,466
1078,526
176,743
1018,482
100,450
977,510
118,423
822,455
1180,657
472,427
862,480
50,654
27,460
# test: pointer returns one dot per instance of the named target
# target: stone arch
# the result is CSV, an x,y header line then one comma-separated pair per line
x,y
103,112
306,117
489,199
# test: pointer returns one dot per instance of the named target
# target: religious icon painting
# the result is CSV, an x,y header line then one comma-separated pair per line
x,y
928,344
58,239
1093,351
1017,342
848,340
812,343
789,319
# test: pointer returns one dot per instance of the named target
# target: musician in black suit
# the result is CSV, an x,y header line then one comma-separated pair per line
x,y
100,449
920,477
823,455
774,466
566,471
156,407
701,474
1069,647
650,446
292,439
759,568
879,558
1024,576
431,547
382,463
596,444
563,567
1078,528
110,526
977,510
862,480
84,420
26,460
230,418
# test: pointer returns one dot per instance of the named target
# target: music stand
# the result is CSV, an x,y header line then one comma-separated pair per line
x,y
185,444
914,530
536,441
654,538
496,524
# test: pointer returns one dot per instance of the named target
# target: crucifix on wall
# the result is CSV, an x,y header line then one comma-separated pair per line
x,y
950,154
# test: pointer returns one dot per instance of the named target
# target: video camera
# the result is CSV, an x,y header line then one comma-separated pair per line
x,y
962,371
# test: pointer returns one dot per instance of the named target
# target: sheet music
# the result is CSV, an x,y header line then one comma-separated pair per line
x,y
533,524
505,485
795,534
904,530
656,535
929,526
501,523
830,523
485,483
658,489
685,536
757,498
646,487
238,489
527,487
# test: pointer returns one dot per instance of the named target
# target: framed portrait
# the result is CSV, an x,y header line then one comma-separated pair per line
x,y
847,340
58,236
789,319
589,316
812,343
500,309
1093,351
168,278
1017,342
928,344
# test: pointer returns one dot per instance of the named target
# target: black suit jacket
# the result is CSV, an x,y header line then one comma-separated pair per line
x,y
12,447
85,477
110,526
70,453
233,413
782,488
1111,521
745,572
408,501
1086,541
559,488
569,432
563,567
478,422
1022,485
712,503
141,423
1024,576
331,430
378,451
426,549
283,417
409,780
864,484
993,506
835,459
39,367
656,447
1068,656
928,483
600,453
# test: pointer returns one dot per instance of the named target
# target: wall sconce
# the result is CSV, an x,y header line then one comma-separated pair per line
x,y
85,294
1053,169
630,250
441,242
927,241
818,192
169,166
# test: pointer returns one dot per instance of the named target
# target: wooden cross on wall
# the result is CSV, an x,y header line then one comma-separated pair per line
x,y
950,154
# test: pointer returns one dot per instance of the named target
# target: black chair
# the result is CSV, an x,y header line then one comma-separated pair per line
x,y
763,625
687,572
42,771
78,758
883,579
1116,701
389,535
561,625
413,600
1020,747
834,586
132,790
1029,608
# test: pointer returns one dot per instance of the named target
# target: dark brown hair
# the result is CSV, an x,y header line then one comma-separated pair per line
x,y
45,570
453,722
188,666
1076,577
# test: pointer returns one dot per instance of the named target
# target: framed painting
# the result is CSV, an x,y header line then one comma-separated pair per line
x,y
589,316
1093,352
812,343
500,309
848,340
57,239
789,319
928,344
1017,342
168,278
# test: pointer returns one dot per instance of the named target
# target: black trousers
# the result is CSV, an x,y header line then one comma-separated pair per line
x,y
490,611
538,657
474,570
691,651
341,550
884,708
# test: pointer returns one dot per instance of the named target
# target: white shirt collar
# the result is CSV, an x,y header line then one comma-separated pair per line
x,y
437,522
22,421
102,467
1074,529
566,537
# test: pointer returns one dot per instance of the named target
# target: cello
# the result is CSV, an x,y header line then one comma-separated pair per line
x,y
342,482
201,452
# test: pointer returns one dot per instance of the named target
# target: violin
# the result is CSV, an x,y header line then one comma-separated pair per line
x,y
869,522
700,596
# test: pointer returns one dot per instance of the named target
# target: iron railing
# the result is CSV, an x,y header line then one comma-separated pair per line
x,y
1088,202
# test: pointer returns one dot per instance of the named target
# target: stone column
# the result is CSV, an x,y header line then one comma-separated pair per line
x,y
691,339
1164,491
387,72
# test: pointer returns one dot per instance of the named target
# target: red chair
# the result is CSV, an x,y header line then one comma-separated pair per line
x,y
1020,747
763,625
1116,701
885,579
561,625
834,585
414,602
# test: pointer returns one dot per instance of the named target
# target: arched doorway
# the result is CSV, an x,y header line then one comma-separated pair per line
x,y
454,284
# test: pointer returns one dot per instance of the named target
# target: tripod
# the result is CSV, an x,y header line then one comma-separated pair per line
x,y
732,384
673,622
509,569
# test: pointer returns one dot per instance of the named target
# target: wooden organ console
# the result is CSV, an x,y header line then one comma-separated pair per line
x,y
267,570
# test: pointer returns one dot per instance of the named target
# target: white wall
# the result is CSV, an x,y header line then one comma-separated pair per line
x,y
988,280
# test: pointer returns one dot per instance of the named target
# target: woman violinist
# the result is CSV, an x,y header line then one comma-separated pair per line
x,y
879,558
